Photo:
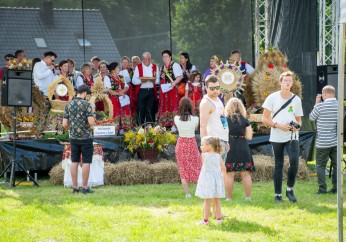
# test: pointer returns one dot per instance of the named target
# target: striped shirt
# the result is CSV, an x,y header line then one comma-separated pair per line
x,y
326,114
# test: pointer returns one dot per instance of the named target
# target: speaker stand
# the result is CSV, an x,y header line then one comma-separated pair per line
x,y
14,161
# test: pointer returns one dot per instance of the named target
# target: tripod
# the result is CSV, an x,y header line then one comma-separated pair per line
x,y
14,161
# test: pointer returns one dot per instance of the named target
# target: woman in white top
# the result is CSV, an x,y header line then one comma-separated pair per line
x,y
186,151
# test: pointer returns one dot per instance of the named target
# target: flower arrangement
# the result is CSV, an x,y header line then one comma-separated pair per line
x,y
15,65
103,119
149,137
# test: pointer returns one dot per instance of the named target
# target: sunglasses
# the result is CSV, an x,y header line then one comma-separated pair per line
x,y
214,88
9,59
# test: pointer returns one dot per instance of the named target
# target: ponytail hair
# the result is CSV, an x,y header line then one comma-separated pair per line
x,y
215,143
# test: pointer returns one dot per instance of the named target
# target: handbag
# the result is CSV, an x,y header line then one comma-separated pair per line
x,y
283,106
181,89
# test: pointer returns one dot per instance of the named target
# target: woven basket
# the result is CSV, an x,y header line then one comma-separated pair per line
x,y
151,154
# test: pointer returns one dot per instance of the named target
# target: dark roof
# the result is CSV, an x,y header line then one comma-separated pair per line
x,y
19,27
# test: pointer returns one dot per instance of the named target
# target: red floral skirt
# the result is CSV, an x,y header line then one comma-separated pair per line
x,y
188,158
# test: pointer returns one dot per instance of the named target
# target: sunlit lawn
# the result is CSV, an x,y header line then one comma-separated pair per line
x,y
162,213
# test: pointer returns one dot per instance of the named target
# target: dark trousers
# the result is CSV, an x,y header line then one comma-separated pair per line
x,y
322,155
145,105
292,149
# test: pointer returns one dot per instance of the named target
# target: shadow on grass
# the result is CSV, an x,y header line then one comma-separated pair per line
x,y
235,225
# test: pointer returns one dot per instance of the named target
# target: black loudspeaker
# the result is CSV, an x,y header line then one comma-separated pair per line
x,y
16,88
328,75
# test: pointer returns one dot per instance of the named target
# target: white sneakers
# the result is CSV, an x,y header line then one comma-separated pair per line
x,y
188,195
202,222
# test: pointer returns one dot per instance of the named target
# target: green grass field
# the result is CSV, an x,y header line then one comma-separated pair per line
x,y
162,213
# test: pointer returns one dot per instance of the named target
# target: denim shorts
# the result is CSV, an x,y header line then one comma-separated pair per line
x,y
83,147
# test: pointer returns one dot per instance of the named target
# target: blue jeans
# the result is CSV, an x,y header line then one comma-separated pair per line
x,y
292,149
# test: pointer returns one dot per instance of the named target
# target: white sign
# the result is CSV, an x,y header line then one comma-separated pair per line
x,y
104,130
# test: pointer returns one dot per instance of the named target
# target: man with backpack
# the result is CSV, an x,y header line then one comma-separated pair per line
x,y
325,112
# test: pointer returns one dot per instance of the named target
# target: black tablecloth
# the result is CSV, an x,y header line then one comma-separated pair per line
x,y
42,155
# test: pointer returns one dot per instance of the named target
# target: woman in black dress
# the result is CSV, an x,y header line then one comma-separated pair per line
x,y
239,157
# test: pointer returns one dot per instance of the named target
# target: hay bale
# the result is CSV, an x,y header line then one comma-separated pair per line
x,y
56,175
265,165
165,171
129,173
108,169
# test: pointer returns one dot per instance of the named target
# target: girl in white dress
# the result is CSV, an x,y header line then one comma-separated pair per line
x,y
210,185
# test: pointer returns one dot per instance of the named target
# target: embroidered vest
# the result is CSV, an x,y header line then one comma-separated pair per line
x,y
140,69
117,83
169,71
87,82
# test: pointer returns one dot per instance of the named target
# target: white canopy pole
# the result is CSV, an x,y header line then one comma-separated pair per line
x,y
341,10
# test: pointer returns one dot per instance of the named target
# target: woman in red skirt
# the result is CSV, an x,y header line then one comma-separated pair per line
x,y
121,102
186,151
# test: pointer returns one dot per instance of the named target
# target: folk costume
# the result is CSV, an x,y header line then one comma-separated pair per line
x,y
195,93
121,108
81,79
127,73
145,93
184,81
169,100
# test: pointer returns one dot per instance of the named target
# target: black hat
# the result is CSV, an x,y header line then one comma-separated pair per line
x,y
83,88
112,66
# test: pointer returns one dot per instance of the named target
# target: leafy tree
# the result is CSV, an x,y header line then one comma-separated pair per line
x,y
204,28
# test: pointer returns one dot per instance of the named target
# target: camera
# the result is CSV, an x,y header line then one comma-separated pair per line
x,y
294,125
320,95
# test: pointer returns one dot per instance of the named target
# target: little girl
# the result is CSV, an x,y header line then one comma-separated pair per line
x,y
239,157
210,185
194,90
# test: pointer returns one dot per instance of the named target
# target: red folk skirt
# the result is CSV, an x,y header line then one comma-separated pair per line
x,y
168,107
121,115
188,159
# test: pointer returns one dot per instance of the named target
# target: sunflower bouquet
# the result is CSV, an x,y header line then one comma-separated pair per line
x,y
148,138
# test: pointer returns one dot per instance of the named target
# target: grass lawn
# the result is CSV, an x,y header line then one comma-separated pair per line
x,y
162,213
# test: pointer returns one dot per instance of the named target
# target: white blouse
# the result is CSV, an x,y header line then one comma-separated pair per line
x,y
186,129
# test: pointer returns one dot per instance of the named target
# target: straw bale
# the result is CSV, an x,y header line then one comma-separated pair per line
x,y
129,173
56,175
165,171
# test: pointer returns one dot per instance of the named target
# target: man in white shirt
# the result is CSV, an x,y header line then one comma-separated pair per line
x,y
282,112
43,72
145,77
